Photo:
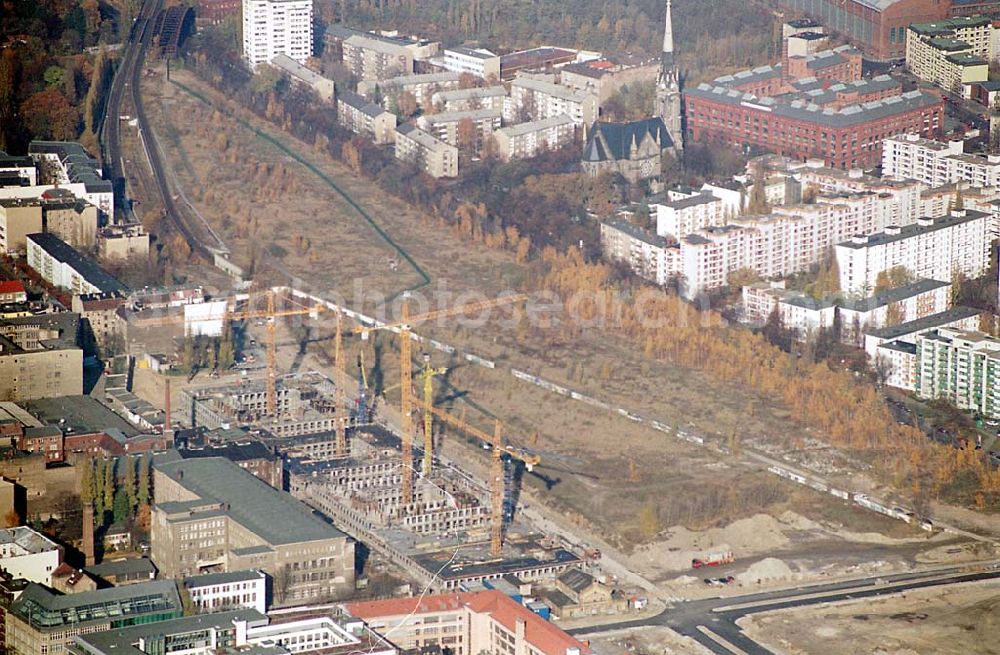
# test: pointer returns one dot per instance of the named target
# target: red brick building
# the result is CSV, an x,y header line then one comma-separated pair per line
x,y
810,107
878,27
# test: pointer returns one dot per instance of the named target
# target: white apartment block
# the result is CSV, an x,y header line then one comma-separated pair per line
x,y
962,367
687,215
63,266
899,360
276,27
951,52
531,139
223,592
476,61
490,97
936,163
532,100
433,156
423,87
446,126
798,312
299,74
365,118
789,240
72,168
645,253
932,248
28,554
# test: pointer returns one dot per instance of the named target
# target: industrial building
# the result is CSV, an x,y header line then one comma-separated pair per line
x,y
212,516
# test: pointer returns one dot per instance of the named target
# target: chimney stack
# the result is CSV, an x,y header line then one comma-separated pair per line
x,y
88,534
168,431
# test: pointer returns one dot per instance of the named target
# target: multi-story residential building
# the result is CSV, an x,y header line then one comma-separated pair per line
x,y
365,118
225,592
63,266
466,624
683,216
73,220
962,367
239,631
42,622
447,126
606,76
422,87
818,108
19,217
17,171
634,149
933,248
789,240
371,57
100,313
532,100
476,61
276,27
897,360
299,74
936,163
29,554
960,318
12,291
951,52
803,314
40,356
490,97
644,252
212,516
431,155
68,165
530,139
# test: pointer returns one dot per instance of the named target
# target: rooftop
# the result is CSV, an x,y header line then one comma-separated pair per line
x,y
210,579
646,236
82,264
893,295
613,141
272,515
922,226
428,141
123,567
551,89
535,126
294,68
122,640
46,610
924,324
17,542
79,415
352,99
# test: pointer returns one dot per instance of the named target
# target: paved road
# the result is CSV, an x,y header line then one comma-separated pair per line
x,y
718,616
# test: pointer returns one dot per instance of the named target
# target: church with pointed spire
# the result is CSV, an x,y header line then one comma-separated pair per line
x,y
668,85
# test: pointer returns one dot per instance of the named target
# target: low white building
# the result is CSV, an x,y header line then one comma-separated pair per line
x,y
446,126
681,217
27,554
532,100
491,97
962,318
897,361
933,248
645,253
223,592
422,86
476,61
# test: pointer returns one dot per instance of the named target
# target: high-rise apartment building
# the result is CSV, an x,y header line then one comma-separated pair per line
x,y
960,366
276,27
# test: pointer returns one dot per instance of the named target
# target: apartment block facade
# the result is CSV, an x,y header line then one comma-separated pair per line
x,y
951,52
276,27
446,126
532,100
422,87
531,139
476,61
936,163
490,97
962,367
365,118
433,156
63,266
933,248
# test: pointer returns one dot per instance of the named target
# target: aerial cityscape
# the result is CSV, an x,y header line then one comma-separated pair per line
x,y
506,327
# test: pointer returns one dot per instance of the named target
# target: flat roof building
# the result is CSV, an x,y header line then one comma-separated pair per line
x,y
323,87
61,265
429,154
212,516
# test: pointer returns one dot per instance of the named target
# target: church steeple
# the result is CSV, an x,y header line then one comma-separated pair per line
x,y
668,88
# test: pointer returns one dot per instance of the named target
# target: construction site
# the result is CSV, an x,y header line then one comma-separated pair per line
x,y
357,461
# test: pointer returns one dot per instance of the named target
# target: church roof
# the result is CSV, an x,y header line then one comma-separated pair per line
x,y
613,141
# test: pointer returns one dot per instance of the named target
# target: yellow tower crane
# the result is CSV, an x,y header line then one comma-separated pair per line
x,y
406,372
271,314
498,488
427,373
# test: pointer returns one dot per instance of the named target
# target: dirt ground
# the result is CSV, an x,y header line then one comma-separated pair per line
x,y
292,214
648,641
956,620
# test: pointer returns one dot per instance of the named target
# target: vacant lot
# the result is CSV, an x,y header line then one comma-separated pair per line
x,y
955,620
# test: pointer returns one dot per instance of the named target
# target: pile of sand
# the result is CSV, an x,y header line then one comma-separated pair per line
x,y
766,570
